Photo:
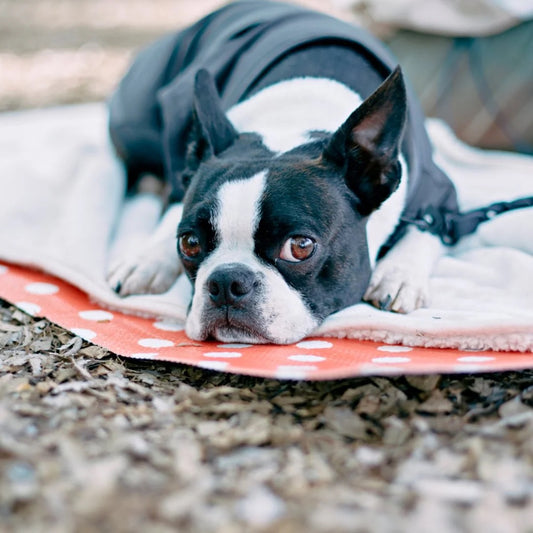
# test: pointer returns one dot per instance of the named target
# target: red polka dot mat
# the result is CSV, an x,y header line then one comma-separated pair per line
x,y
312,359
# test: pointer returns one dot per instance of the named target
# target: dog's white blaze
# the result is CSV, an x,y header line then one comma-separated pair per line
x,y
238,212
284,113
282,312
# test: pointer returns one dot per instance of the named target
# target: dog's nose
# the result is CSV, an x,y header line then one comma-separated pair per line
x,y
231,284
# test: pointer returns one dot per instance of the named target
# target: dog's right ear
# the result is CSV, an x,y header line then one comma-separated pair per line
x,y
212,132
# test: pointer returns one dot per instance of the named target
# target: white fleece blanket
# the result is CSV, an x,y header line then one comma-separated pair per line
x,y
62,210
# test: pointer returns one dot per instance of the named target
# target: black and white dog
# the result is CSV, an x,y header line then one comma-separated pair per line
x,y
289,195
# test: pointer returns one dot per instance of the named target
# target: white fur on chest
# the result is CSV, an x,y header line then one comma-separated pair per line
x,y
285,113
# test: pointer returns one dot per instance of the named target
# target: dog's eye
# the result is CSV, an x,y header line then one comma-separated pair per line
x,y
297,248
190,246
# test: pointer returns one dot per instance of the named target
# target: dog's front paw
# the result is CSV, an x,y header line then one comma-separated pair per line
x,y
397,288
153,271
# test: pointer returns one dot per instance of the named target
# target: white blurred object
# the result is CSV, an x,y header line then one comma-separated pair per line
x,y
522,9
449,17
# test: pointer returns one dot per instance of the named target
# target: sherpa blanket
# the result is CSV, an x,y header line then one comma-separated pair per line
x,y
63,209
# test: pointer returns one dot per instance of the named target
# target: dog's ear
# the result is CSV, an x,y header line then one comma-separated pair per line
x,y
367,145
211,132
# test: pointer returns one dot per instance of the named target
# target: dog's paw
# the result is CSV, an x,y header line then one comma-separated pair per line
x,y
153,271
397,288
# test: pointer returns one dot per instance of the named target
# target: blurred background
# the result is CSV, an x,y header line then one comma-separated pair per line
x,y
470,61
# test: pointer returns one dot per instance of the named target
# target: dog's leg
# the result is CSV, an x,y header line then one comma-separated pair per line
x,y
155,266
400,281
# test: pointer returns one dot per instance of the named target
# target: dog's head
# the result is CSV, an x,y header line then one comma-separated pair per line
x,y
274,243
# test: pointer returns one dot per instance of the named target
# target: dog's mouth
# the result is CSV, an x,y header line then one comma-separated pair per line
x,y
230,327
238,334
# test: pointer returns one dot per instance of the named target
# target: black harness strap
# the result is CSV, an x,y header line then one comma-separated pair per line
x,y
451,226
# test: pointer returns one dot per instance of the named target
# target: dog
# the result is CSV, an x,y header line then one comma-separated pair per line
x,y
294,198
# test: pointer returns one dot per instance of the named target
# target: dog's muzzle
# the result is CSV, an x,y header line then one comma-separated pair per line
x,y
233,292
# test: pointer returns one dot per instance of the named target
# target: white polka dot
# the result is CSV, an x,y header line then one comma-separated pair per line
x,y
294,371
394,349
311,345
144,355
29,307
372,370
86,334
3,269
155,343
390,360
234,346
304,358
227,355
41,288
168,325
96,315
213,365
475,359
467,369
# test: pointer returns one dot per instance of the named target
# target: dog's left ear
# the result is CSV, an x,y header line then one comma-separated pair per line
x,y
367,145
212,131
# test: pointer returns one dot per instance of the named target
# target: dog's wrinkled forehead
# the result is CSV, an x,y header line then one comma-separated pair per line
x,y
233,187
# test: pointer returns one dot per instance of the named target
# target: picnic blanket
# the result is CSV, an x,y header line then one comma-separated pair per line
x,y
63,210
